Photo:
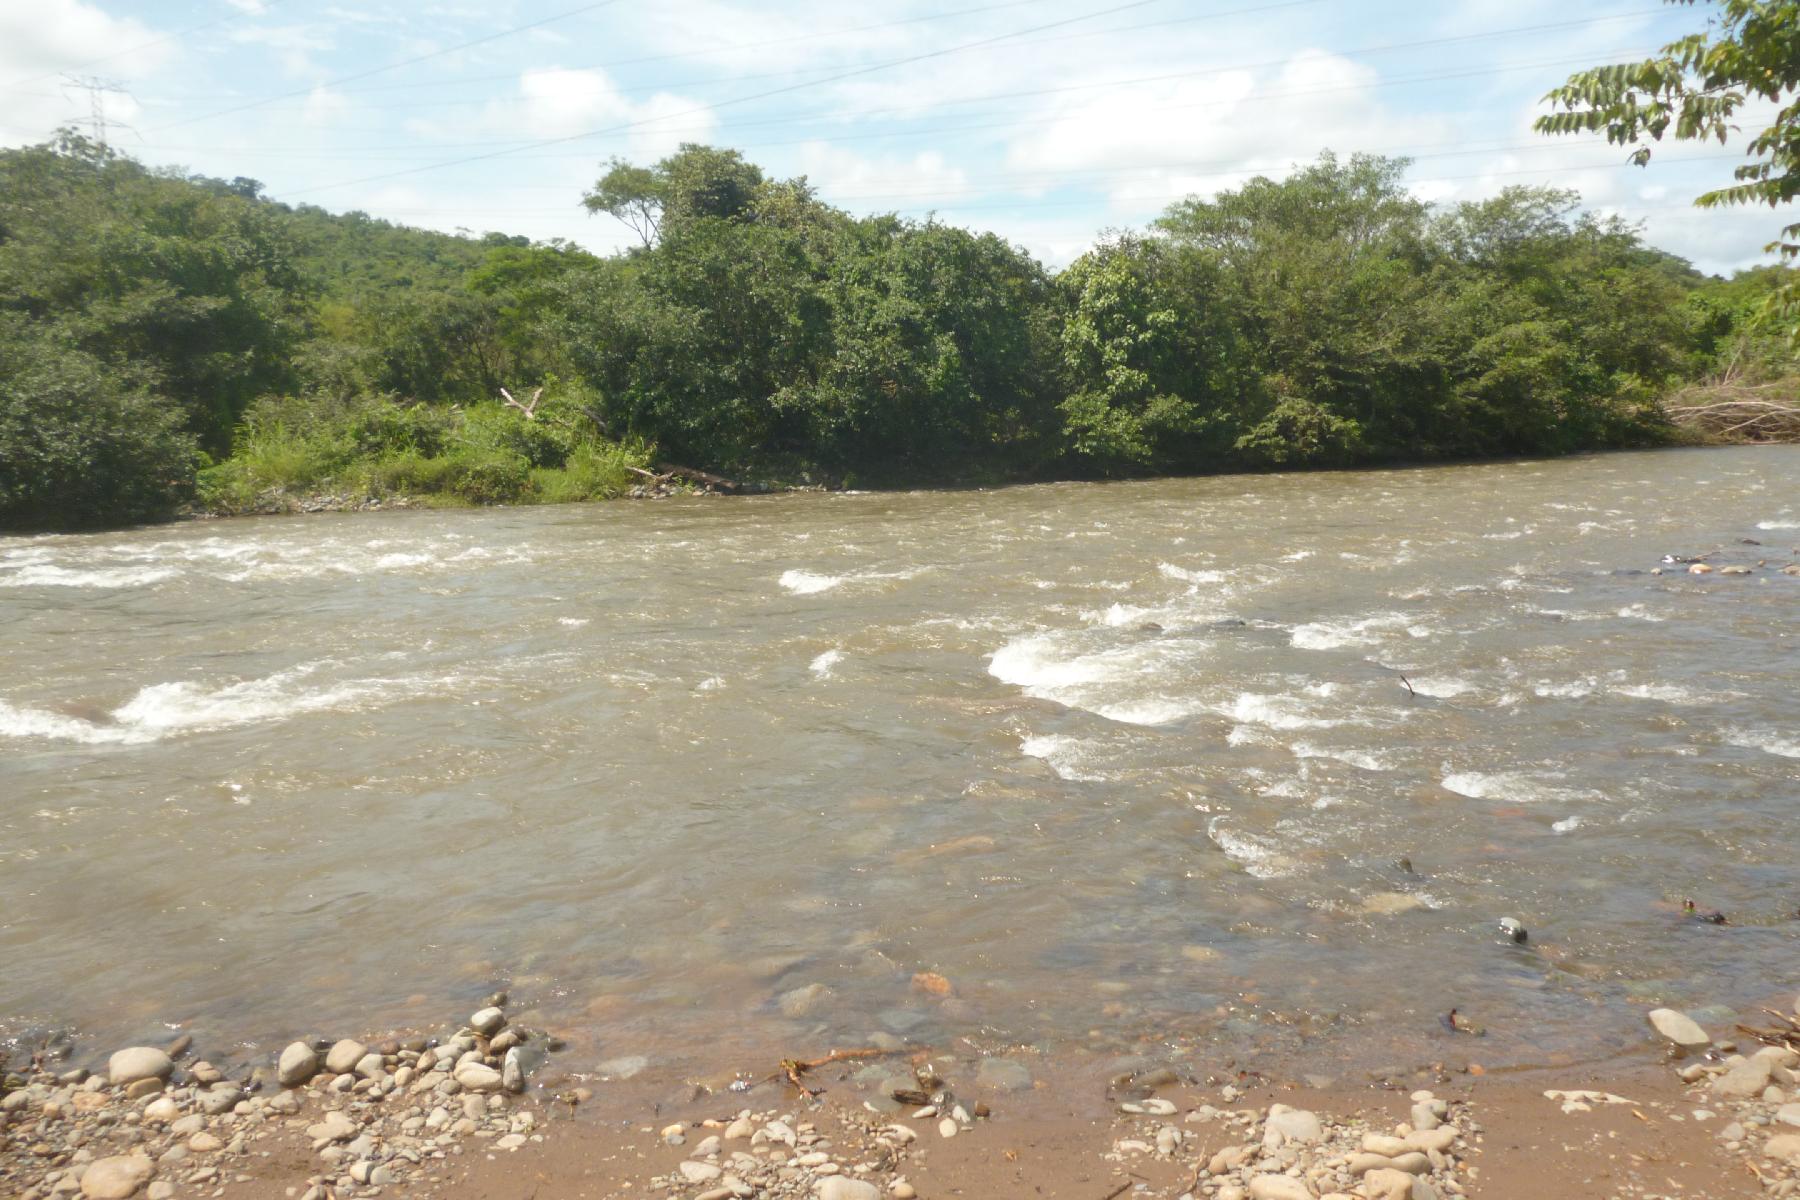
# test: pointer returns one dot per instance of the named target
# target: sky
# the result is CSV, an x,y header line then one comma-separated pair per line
x,y
1045,121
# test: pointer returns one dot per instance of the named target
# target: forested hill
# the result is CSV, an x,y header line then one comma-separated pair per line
x,y
170,342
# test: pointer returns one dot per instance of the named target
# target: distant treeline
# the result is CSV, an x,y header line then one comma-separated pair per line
x,y
171,341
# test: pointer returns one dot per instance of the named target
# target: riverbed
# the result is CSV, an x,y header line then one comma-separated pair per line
x,y
1230,758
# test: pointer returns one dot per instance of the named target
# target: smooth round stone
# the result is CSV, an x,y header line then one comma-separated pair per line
x,y
117,1177
1678,1028
161,1111
342,1058
1295,1124
699,1172
841,1187
1278,1187
138,1063
478,1078
948,1127
297,1064
488,1022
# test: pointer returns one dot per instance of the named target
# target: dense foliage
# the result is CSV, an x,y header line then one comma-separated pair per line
x,y
168,340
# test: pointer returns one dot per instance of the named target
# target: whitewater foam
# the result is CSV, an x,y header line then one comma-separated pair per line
x,y
1442,687
1356,758
1258,856
165,710
38,574
1275,711
808,583
1366,631
1171,571
1515,787
1063,754
1765,740
811,583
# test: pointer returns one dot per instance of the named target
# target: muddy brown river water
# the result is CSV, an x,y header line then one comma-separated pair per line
x,y
1142,755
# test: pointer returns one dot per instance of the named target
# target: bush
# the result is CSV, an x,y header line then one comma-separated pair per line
x,y
375,446
81,444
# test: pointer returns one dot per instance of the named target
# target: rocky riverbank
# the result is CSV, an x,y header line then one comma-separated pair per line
x,y
484,1106
371,1116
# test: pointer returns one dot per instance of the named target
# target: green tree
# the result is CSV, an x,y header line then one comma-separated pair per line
x,y
1694,89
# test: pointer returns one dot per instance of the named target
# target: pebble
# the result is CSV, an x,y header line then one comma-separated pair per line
x,y
1746,1079
1278,1187
1784,1147
1788,1114
512,1071
841,1187
162,1111
699,1172
948,1128
138,1064
204,1143
334,1126
478,1078
116,1177
343,1057
488,1021
1389,1184
1293,1125
297,1064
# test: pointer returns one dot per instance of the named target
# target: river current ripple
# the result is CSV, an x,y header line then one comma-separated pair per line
x,y
1206,755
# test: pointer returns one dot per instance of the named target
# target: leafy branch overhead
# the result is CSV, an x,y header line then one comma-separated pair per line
x,y
1744,66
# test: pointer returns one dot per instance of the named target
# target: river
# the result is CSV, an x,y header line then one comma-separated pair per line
x,y
1207,757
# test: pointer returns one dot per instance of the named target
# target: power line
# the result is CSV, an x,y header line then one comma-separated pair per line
x,y
866,70
625,126
381,152
393,66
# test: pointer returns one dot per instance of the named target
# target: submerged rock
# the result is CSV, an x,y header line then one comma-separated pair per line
x,y
1679,1028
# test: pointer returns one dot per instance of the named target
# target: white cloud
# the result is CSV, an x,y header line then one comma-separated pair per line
x,y
868,181
559,102
294,46
41,42
325,107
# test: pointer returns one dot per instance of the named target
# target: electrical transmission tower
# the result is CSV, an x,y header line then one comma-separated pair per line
x,y
97,89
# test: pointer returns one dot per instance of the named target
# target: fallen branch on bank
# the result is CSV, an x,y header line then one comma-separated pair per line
x,y
695,475
1729,407
793,1069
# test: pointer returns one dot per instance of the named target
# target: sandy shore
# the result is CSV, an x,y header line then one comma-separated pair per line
x,y
488,1111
